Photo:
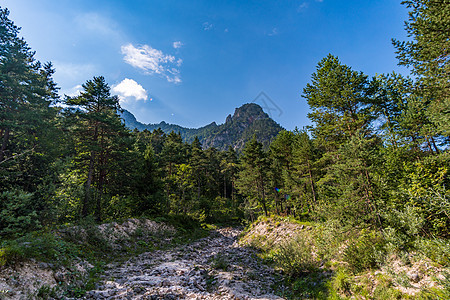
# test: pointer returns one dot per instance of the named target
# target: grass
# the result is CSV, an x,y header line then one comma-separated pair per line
x,y
65,246
328,262
41,246
220,262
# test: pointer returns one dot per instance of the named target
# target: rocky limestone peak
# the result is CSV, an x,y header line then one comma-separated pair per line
x,y
228,120
248,113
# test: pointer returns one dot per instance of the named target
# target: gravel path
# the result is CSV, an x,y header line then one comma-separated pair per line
x,y
215,267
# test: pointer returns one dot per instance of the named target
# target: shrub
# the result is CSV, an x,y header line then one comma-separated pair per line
x,y
45,247
438,250
328,239
365,252
17,214
402,228
341,283
296,256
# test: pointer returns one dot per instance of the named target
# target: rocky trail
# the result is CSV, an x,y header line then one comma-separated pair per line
x,y
215,267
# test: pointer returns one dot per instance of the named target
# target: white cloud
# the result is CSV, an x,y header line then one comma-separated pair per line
x,y
153,61
207,26
177,44
75,91
273,32
128,89
303,6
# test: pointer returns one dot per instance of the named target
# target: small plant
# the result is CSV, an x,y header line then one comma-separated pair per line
x,y
47,292
341,283
295,257
365,252
220,262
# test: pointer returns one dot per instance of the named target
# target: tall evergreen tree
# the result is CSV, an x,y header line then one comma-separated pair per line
x,y
252,180
340,100
97,131
428,56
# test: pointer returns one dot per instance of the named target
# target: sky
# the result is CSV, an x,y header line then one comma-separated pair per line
x,y
193,62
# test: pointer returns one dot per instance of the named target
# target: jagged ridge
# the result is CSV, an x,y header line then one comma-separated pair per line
x,y
247,120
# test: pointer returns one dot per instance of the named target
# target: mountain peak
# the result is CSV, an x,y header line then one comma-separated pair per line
x,y
249,112
247,120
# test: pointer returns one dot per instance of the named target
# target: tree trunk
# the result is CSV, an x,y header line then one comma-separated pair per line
x,y
436,149
87,196
224,186
4,143
312,184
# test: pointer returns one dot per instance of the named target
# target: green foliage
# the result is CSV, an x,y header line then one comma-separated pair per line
x,y
427,55
365,252
311,286
402,228
425,185
40,246
328,238
342,282
17,213
340,100
252,179
295,256
438,250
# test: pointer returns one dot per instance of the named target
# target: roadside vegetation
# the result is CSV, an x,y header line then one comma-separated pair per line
x,y
325,261
366,186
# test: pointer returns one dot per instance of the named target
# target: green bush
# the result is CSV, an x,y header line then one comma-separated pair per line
x,y
438,250
365,252
17,214
402,228
45,247
295,257
328,239
341,283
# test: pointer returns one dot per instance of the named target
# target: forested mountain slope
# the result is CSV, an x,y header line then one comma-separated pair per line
x,y
247,120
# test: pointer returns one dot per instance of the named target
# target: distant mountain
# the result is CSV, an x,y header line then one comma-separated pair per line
x,y
247,120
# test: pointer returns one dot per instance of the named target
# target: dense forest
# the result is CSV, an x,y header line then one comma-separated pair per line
x,y
378,147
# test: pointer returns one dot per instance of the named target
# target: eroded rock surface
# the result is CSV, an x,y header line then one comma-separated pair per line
x,y
215,267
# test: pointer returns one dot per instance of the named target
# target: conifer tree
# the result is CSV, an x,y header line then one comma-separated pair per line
x,y
340,100
98,129
428,56
253,178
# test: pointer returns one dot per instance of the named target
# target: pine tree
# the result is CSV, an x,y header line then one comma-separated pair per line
x,y
26,92
252,180
340,100
428,56
97,130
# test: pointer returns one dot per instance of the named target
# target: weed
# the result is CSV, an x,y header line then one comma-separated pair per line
x,y
341,282
220,262
295,256
365,252
47,292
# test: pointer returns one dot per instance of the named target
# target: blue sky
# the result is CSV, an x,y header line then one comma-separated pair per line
x,y
193,62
